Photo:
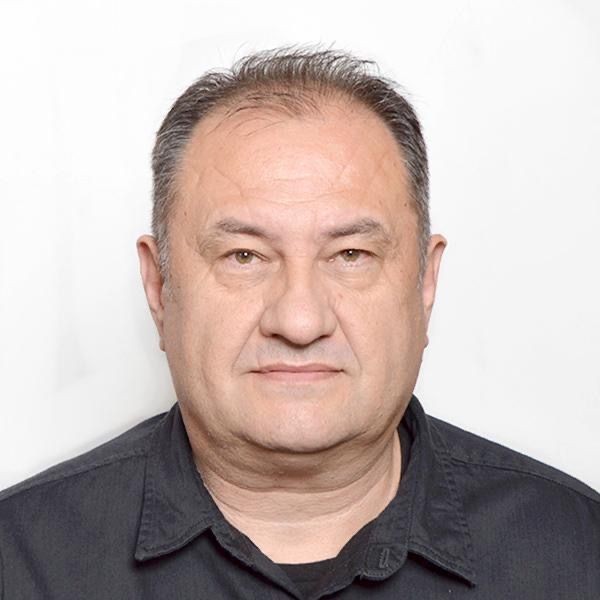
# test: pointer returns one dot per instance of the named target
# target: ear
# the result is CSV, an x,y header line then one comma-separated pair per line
x,y
435,249
153,284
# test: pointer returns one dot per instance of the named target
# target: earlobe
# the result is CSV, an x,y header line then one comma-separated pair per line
x,y
152,281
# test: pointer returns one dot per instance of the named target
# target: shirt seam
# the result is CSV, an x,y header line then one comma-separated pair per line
x,y
187,536
147,515
441,560
525,472
460,517
462,563
76,471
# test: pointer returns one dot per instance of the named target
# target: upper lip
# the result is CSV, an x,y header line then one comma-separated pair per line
x,y
297,368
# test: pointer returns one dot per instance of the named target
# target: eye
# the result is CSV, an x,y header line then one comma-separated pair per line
x,y
242,256
352,255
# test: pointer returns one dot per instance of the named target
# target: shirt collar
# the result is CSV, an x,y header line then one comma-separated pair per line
x,y
427,516
439,530
176,506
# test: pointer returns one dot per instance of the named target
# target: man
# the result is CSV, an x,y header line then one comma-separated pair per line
x,y
291,277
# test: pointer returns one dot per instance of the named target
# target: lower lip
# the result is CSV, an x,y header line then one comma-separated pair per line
x,y
298,376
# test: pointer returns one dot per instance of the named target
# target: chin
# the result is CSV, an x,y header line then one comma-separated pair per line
x,y
300,446
302,437
301,419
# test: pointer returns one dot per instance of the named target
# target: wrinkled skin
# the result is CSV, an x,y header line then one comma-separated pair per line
x,y
353,303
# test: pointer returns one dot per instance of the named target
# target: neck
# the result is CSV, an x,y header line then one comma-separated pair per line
x,y
304,509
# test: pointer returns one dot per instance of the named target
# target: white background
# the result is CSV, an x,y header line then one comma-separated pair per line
x,y
509,96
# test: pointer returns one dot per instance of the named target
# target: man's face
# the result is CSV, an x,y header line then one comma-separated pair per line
x,y
294,241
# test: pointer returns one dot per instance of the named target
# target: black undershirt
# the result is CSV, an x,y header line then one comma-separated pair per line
x,y
307,576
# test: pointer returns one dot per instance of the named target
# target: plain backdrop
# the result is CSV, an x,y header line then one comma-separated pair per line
x,y
509,96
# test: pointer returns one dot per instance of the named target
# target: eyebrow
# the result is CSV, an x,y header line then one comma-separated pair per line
x,y
366,226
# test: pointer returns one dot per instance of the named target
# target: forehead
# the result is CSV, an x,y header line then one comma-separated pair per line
x,y
264,162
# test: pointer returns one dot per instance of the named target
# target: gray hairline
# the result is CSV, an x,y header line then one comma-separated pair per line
x,y
295,99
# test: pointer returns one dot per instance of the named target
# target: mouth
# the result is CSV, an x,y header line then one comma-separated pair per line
x,y
298,373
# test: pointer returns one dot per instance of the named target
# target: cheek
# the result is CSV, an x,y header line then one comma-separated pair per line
x,y
383,328
212,327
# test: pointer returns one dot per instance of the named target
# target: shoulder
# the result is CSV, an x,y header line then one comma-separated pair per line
x,y
99,463
482,456
523,516
74,511
514,495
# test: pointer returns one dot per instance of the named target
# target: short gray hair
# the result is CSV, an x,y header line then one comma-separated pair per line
x,y
291,79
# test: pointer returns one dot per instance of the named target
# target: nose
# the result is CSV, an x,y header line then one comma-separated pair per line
x,y
298,307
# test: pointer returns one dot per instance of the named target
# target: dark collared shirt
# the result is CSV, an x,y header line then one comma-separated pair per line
x,y
132,520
